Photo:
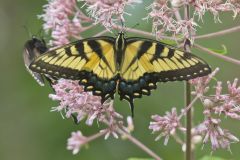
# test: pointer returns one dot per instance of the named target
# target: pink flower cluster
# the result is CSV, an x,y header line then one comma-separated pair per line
x,y
227,104
76,141
74,101
214,7
166,125
211,130
167,18
108,12
163,17
214,105
201,84
63,19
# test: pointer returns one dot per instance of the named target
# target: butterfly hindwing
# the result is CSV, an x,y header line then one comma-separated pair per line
x,y
147,62
91,61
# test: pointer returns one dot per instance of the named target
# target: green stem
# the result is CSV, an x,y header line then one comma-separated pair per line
x,y
226,58
189,154
139,144
219,33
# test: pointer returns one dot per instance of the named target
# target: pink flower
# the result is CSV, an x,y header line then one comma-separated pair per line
x,y
111,130
74,101
184,26
162,17
201,83
108,12
228,104
214,7
63,20
76,141
218,137
166,124
234,90
165,20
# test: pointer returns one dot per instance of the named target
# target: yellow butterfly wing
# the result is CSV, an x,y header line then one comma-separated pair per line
x,y
146,62
91,61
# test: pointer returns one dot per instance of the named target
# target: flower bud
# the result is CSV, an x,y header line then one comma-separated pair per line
x,y
196,139
208,103
184,147
130,124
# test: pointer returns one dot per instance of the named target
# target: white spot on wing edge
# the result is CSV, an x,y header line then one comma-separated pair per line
x,y
34,76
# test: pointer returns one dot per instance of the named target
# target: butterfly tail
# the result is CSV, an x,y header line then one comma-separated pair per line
x,y
132,107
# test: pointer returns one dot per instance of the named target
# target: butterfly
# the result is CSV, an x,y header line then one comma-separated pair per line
x,y
130,66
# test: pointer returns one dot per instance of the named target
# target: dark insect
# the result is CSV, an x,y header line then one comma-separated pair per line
x,y
32,49
130,66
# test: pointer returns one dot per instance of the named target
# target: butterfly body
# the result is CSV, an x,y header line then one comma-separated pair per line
x,y
130,66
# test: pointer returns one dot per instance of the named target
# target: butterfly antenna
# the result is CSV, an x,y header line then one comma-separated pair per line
x,y
132,108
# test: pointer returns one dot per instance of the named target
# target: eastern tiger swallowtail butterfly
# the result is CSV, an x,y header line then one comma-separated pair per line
x,y
130,66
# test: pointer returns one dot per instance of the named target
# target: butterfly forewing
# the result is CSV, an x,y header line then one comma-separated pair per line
x,y
91,61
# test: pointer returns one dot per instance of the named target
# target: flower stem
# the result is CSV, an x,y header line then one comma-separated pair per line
x,y
101,33
219,33
139,144
229,59
95,136
189,152
190,105
188,121
144,33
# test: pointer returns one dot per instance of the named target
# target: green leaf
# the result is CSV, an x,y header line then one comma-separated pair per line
x,y
211,158
220,51
140,159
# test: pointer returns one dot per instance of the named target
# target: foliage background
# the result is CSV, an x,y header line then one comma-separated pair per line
x,y
28,130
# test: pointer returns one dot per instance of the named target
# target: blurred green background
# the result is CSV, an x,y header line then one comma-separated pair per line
x,y
29,131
